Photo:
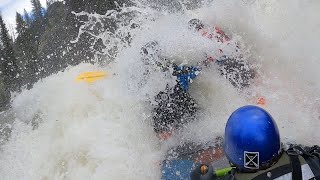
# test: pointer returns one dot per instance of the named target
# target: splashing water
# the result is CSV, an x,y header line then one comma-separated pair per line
x,y
61,129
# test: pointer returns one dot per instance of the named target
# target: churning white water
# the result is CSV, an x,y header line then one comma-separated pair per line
x,y
62,129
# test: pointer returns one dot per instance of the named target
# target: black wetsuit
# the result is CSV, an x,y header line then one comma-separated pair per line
x,y
237,71
174,108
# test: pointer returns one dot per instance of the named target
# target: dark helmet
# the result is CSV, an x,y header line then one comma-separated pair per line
x,y
195,24
252,139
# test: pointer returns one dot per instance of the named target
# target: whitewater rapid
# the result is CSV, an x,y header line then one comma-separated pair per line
x,y
61,129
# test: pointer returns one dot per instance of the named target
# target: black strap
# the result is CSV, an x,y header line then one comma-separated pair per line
x,y
310,154
312,157
295,164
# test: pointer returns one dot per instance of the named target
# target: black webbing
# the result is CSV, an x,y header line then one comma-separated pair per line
x,y
295,164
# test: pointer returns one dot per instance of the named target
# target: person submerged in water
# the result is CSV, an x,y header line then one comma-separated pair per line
x,y
174,106
253,150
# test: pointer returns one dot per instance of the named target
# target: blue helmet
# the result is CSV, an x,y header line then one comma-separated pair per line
x,y
252,140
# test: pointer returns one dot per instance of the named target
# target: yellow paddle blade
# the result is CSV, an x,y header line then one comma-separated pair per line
x,y
91,77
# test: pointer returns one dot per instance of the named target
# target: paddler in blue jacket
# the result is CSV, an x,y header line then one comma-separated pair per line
x,y
174,106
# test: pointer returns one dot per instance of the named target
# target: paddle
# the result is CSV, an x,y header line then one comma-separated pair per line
x,y
91,77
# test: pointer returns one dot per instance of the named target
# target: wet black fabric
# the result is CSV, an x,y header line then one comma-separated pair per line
x,y
237,71
312,156
295,165
174,108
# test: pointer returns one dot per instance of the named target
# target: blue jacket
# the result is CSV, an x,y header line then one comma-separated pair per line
x,y
185,74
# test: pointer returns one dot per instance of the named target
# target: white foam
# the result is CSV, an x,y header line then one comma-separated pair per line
x,y
103,130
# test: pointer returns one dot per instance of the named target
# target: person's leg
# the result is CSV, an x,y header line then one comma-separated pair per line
x,y
174,108
238,72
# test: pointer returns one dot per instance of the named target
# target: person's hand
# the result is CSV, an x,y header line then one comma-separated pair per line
x,y
203,172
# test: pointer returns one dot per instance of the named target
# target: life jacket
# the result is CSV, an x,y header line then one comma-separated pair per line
x,y
297,163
